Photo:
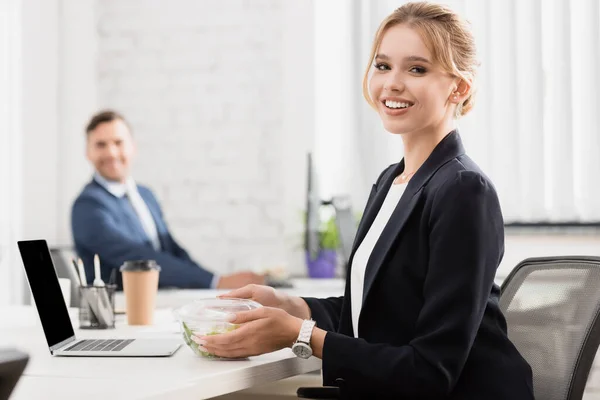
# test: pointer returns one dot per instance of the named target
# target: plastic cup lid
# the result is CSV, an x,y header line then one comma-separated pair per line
x,y
140,265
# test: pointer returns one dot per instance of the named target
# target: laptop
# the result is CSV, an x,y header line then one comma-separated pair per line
x,y
55,320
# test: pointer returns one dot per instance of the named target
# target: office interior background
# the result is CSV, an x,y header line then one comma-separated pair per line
x,y
226,98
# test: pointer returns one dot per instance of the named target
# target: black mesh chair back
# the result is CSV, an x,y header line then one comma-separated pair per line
x,y
552,306
12,364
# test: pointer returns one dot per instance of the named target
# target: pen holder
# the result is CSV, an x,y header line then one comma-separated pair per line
x,y
97,307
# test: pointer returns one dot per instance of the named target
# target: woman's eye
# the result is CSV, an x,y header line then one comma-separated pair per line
x,y
418,70
382,67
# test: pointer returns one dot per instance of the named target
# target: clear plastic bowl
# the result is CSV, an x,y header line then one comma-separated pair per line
x,y
209,317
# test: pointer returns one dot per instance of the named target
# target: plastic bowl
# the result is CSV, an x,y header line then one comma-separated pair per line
x,y
209,317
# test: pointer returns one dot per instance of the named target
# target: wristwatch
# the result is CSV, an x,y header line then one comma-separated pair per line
x,y
301,347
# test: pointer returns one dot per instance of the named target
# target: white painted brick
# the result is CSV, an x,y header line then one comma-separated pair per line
x,y
151,41
121,43
148,80
201,84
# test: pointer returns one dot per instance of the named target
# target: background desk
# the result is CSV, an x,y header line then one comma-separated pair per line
x,y
172,298
320,288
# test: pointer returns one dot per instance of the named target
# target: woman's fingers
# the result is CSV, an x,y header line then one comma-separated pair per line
x,y
243,317
232,353
232,350
260,332
245,292
222,339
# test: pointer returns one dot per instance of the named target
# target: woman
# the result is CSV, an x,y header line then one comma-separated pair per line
x,y
420,316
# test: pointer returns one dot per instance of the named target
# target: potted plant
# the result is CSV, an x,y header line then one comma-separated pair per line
x,y
324,263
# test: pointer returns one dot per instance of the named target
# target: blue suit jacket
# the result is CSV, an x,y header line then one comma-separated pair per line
x,y
430,325
108,226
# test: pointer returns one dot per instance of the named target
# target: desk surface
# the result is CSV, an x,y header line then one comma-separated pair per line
x,y
181,376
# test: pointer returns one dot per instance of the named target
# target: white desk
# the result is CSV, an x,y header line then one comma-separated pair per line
x,y
181,376
39,387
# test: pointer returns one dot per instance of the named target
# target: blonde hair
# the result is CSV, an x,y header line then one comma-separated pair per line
x,y
446,35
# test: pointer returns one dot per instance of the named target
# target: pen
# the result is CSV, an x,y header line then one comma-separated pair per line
x,y
97,277
81,283
82,272
113,277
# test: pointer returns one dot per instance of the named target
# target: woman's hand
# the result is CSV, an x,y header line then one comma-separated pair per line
x,y
265,295
269,297
262,330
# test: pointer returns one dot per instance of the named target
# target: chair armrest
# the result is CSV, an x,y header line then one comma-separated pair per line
x,y
324,392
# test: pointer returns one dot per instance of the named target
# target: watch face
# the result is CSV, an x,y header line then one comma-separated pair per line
x,y
302,350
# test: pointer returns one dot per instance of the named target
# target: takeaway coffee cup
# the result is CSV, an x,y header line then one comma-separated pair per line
x,y
140,284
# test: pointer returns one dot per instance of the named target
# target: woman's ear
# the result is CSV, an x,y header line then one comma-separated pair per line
x,y
462,91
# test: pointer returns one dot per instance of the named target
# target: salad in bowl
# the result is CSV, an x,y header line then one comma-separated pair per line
x,y
209,317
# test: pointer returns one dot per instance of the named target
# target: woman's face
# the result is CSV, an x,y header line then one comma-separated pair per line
x,y
411,94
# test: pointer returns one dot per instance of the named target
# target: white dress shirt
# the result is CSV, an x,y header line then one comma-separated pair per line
x,y
129,189
364,250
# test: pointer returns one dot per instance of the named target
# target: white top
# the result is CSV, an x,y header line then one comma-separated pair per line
x,y
364,250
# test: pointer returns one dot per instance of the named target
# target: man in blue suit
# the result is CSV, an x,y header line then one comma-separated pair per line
x,y
120,220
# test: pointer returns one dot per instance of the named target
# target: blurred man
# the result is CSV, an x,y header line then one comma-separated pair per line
x,y
120,220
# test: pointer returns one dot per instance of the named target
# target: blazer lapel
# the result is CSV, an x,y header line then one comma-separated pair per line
x,y
448,149
398,219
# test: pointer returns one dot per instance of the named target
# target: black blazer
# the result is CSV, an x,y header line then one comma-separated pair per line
x,y
430,325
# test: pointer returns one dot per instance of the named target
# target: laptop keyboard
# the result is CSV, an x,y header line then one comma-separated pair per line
x,y
100,345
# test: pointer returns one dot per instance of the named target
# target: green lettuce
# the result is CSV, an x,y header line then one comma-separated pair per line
x,y
187,337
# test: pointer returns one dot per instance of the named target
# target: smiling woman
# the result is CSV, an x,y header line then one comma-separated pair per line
x,y
533,62
419,317
425,67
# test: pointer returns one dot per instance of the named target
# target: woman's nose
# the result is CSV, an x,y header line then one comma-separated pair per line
x,y
394,83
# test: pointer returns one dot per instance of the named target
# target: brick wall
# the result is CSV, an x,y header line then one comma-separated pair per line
x,y
201,85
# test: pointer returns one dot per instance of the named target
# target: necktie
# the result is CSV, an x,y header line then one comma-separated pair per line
x,y
143,213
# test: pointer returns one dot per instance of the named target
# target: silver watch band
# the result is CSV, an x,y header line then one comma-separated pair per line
x,y
306,331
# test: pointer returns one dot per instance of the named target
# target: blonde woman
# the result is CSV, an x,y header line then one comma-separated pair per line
x,y
419,317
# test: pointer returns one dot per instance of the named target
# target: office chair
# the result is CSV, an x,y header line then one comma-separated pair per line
x,y
61,257
12,364
347,225
552,308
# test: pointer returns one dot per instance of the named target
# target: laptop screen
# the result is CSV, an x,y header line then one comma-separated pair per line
x,y
46,291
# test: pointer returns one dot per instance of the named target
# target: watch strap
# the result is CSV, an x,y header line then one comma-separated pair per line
x,y
306,331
